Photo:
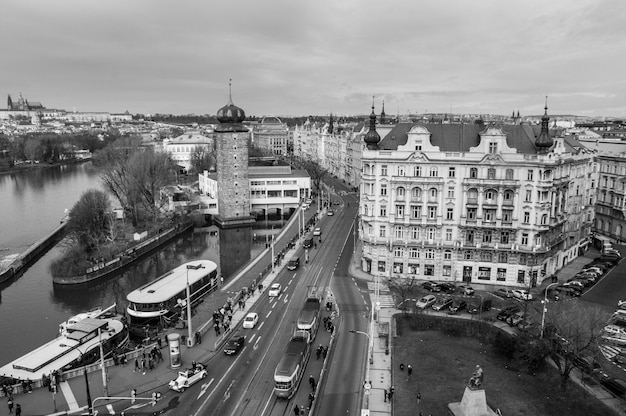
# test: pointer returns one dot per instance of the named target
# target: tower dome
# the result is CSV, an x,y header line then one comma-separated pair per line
x,y
372,137
230,113
544,141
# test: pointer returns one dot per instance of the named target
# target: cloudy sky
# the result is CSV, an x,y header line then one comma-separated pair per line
x,y
290,57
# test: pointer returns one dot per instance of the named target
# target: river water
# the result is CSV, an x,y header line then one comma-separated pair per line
x,y
32,203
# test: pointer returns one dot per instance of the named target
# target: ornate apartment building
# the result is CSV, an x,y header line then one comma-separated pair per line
x,y
496,205
610,208
271,134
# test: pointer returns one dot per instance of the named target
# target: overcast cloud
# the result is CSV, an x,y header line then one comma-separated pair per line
x,y
295,57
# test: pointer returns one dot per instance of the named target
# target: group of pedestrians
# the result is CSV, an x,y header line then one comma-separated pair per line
x,y
321,351
8,393
148,362
328,324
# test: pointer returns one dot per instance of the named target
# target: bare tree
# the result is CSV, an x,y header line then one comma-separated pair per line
x,y
150,172
403,288
32,149
316,172
203,158
573,329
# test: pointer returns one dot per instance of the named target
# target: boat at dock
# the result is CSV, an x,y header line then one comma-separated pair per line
x,y
158,304
79,346
73,320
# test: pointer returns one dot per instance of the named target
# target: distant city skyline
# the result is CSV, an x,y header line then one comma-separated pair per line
x,y
299,58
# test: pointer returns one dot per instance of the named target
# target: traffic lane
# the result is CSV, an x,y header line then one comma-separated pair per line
x,y
345,373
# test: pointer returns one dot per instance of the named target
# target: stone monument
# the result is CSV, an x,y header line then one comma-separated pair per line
x,y
474,401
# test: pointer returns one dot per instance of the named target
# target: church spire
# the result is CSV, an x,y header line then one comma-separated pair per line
x,y
330,124
382,114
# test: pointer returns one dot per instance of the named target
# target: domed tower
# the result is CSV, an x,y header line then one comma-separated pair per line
x,y
544,141
372,137
232,141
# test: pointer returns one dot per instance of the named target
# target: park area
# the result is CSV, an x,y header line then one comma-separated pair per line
x,y
444,360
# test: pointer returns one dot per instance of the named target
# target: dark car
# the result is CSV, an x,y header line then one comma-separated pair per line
x,y
567,291
431,286
504,314
308,243
234,345
442,303
477,306
610,258
447,287
515,318
615,386
457,306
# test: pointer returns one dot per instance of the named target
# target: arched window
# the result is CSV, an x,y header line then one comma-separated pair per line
x,y
509,174
473,173
508,197
491,173
472,196
432,194
400,192
416,193
447,255
491,195
544,219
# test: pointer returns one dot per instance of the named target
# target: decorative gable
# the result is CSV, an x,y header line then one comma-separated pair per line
x,y
493,141
418,139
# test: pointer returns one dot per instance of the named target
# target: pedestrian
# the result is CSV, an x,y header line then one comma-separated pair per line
x,y
325,351
312,381
133,396
391,389
409,369
18,410
386,394
419,397
136,365
401,367
296,410
10,404
311,398
143,366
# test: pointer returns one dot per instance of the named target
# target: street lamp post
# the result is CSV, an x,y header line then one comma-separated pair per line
x,y
370,348
545,307
273,259
190,340
104,370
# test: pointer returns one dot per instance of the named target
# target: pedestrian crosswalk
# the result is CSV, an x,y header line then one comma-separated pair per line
x,y
385,297
609,351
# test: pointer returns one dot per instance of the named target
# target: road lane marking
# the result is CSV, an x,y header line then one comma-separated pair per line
x,y
268,314
204,388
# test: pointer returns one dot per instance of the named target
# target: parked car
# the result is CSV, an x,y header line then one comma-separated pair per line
x,y
442,303
466,290
477,306
504,292
595,269
234,345
526,325
615,386
522,294
447,287
615,331
515,318
611,258
457,306
575,284
504,314
426,302
250,321
431,286
586,282
317,232
567,291
275,290
188,377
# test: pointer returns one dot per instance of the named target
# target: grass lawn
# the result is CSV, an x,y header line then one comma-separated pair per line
x,y
442,365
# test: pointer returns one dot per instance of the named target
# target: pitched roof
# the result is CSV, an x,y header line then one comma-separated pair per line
x,y
461,137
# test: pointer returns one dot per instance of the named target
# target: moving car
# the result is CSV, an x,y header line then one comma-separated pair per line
x,y
466,290
308,243
457,306
615,386
250,320
504,314
504,292
522,294
234,345
442,303
317,231
477,306
188,377
425,302
294,263
330,213
431,286
275,290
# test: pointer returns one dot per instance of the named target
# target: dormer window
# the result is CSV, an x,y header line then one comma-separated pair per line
x,y
493,148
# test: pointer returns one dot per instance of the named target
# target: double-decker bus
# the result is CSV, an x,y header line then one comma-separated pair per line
x,y
154,305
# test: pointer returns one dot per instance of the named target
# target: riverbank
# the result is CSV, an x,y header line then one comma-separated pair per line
x,y
24,167
16,264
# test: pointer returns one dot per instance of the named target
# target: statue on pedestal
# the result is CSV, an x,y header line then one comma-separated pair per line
x,y
476,381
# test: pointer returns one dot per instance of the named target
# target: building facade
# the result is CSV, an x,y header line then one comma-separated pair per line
x,y
610,208
272,135
494,205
